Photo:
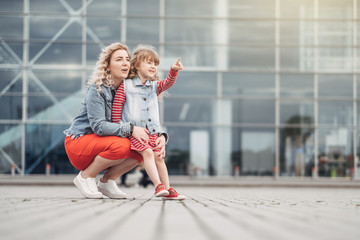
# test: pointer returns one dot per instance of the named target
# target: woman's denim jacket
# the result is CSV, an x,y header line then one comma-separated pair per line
x,y
141,105
95,115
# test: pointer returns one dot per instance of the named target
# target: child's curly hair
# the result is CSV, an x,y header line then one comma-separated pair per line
x,y
101,76
143,53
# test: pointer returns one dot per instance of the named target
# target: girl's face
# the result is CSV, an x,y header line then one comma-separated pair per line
x,y
119,65
147,70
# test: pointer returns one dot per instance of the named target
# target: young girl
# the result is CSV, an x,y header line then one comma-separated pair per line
x,y
136,102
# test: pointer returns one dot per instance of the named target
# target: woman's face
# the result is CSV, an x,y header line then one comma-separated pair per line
x,y
119,65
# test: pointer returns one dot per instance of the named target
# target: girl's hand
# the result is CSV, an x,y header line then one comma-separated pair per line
x,y
141,134
177,66
160,144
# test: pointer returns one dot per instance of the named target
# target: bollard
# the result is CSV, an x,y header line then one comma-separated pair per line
x,y
13,169
47,169
352,173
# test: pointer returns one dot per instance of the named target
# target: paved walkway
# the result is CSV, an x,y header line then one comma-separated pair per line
x,y
60,212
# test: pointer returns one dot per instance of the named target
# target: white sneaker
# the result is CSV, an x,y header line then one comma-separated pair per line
x,y
111,190
87,186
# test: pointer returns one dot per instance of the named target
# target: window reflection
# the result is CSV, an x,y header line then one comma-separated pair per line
x,y
143,30
300,59
248,84
297,32
252,151
248,31
252,8
194,84
191,151
192,56
189,110
251,58
335,8
11,27
11,107
56,53
336,59
296,85
11,6
297,9
335,152
45,145
335,85
190,8
47,28
104,29
296,112
148,7
10,143
335,113
335,33
296,151
253,111
11,81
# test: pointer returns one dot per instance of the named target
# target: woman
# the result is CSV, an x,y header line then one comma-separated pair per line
x,y
93,143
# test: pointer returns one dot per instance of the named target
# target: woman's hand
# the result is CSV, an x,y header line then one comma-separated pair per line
x,y
141,134
160,144
177,66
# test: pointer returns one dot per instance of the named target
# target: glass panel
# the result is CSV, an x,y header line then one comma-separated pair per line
x,y
50,6
10,142
11,81
191,151
56,53
11,5
251,58
248,31
55,81
296,112
335,152
104,29
252,151
143,30
45,144
189,110
335,59
296,85
11,107
335,33
148,7
46,108
194,56
297,9
335,113
108,7
296,151
92,53
335,85
252,8
184,30
253,111
298,32
11,53
335,8
248,84
48,27
190,8
11,27
358,86
300,59
194,83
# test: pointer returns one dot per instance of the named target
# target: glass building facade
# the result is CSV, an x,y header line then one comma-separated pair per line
x,y
270,87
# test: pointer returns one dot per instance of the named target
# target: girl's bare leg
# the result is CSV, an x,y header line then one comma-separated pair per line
x,y
162,169
150,166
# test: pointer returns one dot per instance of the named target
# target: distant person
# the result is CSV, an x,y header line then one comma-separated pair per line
x,y
93,142
136,101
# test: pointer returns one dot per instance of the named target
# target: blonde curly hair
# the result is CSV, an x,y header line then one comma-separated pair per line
x,y
143,53
101,76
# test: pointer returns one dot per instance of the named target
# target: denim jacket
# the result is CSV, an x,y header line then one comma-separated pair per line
x,y
141,105
95,116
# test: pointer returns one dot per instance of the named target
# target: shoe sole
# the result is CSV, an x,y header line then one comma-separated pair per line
x,y
162,193
78,185
172,198
110,195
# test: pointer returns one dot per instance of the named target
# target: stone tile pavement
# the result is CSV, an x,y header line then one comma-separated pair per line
x,y
60,212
